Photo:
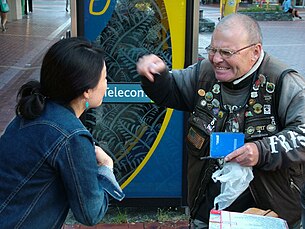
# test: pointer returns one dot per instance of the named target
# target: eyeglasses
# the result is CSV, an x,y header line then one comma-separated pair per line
x,y
225,53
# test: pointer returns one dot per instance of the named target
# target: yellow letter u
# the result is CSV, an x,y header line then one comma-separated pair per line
x,y
102,11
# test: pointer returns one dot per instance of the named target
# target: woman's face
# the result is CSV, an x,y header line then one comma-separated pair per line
x,y
97,93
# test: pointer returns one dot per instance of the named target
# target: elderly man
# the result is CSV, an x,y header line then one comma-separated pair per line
x,y
239,89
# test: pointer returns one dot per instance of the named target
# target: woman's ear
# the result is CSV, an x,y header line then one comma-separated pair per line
x,y
87,93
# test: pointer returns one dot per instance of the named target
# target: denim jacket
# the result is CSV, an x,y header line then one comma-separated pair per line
x,y
48,166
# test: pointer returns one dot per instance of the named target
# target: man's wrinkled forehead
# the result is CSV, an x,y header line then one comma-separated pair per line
x,y
232,35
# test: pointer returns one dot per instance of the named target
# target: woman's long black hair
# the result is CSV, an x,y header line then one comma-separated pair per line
x,y
69,68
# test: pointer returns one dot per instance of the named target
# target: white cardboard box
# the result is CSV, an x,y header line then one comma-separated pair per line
x,y
235,220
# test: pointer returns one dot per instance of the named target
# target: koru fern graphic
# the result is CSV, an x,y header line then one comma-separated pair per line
x,y
127,131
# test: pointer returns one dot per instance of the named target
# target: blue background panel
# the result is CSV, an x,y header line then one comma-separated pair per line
x,y
162,174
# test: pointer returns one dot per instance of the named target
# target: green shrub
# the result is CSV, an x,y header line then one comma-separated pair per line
x,y
264,8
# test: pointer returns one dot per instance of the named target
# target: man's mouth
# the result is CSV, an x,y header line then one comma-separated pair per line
x,y
221,68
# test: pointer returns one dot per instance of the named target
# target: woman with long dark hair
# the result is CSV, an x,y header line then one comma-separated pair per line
x,y
49,163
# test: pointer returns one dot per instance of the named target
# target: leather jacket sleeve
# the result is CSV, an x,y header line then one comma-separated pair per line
x,y
174,89
288,145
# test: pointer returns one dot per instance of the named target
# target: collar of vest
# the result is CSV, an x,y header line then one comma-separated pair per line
x,y
244,83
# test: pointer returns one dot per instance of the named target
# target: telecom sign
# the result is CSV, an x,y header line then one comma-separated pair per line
x,y
125,93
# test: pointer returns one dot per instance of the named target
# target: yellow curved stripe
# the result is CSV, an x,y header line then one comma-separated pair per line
x,y
176,13
152,149
100,12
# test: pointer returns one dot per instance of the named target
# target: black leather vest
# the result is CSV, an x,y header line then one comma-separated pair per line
x,y
257,118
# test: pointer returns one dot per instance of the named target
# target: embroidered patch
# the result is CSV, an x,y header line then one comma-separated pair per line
x,y
196,139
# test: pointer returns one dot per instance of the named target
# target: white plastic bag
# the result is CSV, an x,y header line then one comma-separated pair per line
x,y
234,180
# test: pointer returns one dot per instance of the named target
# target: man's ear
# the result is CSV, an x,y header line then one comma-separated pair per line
x,y
257,51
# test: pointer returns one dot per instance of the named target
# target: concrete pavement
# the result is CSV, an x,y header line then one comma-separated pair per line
x,y
22,47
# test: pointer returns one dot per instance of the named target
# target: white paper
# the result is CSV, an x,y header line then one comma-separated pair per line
x,y
234,220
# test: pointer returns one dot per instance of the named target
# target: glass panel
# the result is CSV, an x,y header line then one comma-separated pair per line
x,y
127,131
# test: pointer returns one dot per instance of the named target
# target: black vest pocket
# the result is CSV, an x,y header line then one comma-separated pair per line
x,y
198,136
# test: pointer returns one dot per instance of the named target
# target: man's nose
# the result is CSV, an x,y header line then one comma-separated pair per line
x,y
217,57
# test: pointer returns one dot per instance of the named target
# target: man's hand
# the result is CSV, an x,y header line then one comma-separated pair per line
x,y
149,66
246,155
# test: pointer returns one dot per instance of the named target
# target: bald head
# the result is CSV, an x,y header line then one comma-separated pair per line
x,y
236,46
244,23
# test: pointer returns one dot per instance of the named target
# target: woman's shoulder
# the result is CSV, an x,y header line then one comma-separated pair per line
x,y
61,117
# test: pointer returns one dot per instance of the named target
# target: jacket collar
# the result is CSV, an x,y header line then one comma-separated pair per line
x,y
253,69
